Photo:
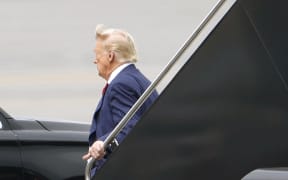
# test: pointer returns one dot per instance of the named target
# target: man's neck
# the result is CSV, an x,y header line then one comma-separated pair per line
x,y
117,70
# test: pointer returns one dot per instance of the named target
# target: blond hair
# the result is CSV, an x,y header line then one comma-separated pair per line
x,y
118,41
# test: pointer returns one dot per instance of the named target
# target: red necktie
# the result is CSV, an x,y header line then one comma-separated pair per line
x,y
104,89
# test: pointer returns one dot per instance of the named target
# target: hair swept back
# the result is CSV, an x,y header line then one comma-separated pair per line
x,y
118,41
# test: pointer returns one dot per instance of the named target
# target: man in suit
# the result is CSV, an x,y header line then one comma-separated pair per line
x,y
115,57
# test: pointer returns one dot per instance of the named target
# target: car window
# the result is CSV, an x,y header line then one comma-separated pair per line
x,y
2,122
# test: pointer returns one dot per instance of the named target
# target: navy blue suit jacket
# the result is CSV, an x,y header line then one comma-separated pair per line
x,y
119,97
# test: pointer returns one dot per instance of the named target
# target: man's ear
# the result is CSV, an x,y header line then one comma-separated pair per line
x,y
111,56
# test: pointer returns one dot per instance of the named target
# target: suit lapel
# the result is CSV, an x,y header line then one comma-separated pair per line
x,y
94,124
99,105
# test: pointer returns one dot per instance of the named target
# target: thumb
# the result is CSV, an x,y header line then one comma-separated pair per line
x,y
86,156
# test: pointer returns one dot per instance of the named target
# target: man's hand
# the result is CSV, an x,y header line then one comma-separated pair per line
x,y
96,151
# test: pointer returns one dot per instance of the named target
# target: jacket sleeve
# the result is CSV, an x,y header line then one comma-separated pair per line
x,y
123,97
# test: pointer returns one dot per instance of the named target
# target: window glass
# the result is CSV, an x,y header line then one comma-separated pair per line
x,y
2,122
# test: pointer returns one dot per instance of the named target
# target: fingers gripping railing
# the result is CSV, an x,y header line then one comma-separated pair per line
x,y
152,87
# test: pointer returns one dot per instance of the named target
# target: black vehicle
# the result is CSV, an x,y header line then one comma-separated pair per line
x,y
41,149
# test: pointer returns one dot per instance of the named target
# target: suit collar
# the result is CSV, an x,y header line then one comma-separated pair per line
x,y
117,71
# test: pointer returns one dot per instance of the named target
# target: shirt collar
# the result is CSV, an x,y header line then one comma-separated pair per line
x,y
117,71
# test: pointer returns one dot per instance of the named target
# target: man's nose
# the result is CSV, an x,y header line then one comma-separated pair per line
x,y
95,61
